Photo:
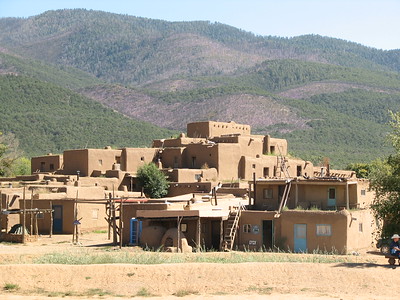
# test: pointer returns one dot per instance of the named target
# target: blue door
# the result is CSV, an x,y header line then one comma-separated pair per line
x,y
136,231
300,237
331,197
57,219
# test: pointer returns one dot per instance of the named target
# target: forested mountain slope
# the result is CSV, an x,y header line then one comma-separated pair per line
x,y
327,96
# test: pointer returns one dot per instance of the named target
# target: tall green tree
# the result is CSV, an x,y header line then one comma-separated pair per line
x,y
153,181
385,180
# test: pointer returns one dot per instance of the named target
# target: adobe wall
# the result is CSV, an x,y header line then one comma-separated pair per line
x,y
47,163
171,158
366,194
210,129
275,146
76,160
192,175
182,188
103,159
336,241
308,195
361,228
197,156
253,240
133,158
9,220
229,156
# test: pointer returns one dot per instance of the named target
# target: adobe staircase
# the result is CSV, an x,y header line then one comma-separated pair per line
x,y
232,227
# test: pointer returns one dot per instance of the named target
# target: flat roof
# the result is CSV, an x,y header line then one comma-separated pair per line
x,y
214,213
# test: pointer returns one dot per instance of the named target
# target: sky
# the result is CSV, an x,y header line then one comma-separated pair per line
x,y
373,23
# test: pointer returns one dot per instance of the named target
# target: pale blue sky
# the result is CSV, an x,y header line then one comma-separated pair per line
x,y
374,23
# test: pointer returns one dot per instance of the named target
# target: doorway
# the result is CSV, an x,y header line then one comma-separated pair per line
x,y
268,234
58,219
215,234
300,237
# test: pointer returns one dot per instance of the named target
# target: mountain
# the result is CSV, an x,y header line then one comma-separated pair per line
x,y
327,96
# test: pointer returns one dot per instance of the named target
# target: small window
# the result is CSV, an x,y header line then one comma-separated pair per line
x,y
332,193
363,192
118,159
95,214
360,227
298,170
253,166
142,158
51,167
272,149
247,228
268,193
266,172
324,230
184,227
193,161
100,162
42,166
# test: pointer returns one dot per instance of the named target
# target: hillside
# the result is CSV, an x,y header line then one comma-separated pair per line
x,y
327,96
46,118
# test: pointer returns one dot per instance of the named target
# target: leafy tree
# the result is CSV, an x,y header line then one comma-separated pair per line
x,y
153,181
21,166
362,169
385,180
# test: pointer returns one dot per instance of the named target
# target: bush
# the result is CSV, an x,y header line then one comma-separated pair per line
x,y
153,181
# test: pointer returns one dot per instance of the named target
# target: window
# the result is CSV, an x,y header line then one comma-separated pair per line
x,y
266,172
272,149
247,228
360,227
193,161
363,192
268,193
51,167
100,162
95,214
324,230
142,158
42,164
332,193
118,159
184,227
253,166
298,170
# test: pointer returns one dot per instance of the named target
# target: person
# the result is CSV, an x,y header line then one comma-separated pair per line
x,y
395,245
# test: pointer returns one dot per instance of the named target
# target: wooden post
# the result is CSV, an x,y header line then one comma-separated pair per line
x,y
296,200
51,218
179,234
1,215
254,189
121,210
113,217
198,235
23,218
347,196
36,225
31,225
7,198
221,237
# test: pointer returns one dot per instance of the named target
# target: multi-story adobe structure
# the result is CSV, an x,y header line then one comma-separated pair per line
x,y
277,201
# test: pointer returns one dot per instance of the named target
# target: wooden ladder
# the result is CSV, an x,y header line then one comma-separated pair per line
x,y
232,227
285,197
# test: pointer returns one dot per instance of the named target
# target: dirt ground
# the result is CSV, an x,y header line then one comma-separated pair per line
x,y
367,276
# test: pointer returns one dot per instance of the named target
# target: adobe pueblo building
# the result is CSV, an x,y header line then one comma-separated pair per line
x,y
229,189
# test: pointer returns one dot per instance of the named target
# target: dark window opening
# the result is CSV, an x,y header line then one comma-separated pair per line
x,y
272,149
51,167
332,193
42,166
298,170
266,172
193,161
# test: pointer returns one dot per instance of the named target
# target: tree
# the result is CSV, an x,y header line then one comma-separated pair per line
x,y
385,180
362,169
153,181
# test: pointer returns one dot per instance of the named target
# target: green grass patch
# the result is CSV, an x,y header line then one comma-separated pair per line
x,y
143,292
183,293
152,258
11,287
